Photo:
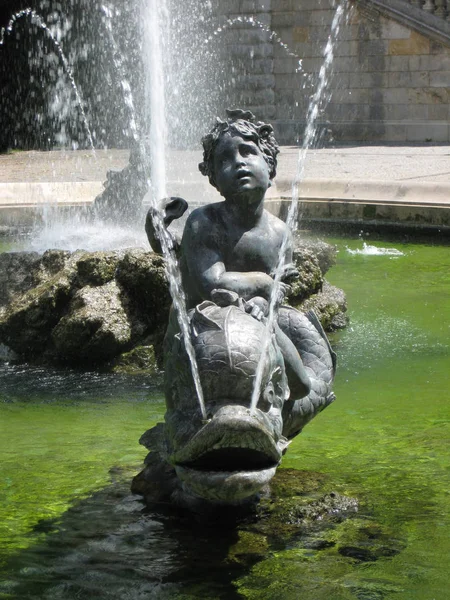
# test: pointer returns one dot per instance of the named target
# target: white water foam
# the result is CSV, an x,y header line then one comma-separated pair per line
x,y
368,250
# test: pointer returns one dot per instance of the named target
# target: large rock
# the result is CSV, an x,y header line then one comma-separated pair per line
x,y
330,305
96,268
311,276
26,324
97,326
16,274
324,253
142,275
86,307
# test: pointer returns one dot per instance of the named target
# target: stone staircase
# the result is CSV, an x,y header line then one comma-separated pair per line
x,y
429,17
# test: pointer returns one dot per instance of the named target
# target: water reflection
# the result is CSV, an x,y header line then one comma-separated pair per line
x,y
27,383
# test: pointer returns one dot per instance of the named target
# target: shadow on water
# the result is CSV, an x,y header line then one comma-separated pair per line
x,y
67,532
109,546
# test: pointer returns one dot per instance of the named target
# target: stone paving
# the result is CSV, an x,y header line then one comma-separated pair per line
x,y
412,164
386,174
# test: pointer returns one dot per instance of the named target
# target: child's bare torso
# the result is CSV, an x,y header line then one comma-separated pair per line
x,y
243,248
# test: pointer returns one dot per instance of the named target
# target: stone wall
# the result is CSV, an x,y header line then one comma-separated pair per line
x,y
390,83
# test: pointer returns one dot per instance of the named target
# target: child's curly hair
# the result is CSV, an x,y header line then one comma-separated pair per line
x,y
242,123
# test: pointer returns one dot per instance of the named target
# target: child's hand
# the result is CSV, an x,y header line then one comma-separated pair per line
x,y
257,307
290,273
283,291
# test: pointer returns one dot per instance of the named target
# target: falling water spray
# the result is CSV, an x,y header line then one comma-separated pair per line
x,y
154,17
37,20
308,141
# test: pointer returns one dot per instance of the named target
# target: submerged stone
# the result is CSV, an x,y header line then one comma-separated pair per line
x,y
141,359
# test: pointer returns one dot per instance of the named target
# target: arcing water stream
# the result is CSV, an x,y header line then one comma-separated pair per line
x,y
37,20
309,137
154,15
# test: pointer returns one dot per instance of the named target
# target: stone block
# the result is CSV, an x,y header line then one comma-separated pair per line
x,y
300,34
433,63
343,64
366,80
264,112
420,78
262,66
398,79
312,65
230,7
250,35
282,20
282,5
308,50
420,112
321,18
348,112
429,95
396,95
396,112
339,81
438,112
255,82
258,97
347,33
440,79
356,96
350,48
415,44
372,47
395,132
375,62
285,64
391,30
254,52
402,63
320,35
286,81
427,132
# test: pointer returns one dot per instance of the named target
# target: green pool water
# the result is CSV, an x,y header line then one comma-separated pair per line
x,y
69,445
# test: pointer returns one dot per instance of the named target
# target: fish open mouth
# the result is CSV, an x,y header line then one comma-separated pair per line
x,y
230,458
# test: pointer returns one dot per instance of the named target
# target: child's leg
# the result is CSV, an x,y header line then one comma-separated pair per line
x,y
298,380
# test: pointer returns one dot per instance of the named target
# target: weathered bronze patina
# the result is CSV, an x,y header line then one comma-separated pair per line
x,y
229,252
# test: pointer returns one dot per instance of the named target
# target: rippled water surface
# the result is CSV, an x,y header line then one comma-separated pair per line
x,y
69,528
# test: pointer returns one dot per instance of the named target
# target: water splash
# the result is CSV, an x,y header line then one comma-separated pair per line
x,y
368,250
309,138
119,64
250,20
36,19
155,16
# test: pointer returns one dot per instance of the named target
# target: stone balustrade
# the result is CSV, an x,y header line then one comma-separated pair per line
x,y
439,8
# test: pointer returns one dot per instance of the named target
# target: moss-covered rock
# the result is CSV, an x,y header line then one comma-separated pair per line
x,y
330,305
141,359
93,306
96,268
26,324
311,278
96,327
324,252
16,274
142,275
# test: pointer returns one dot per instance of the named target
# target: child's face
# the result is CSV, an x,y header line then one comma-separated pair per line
x,y
240,168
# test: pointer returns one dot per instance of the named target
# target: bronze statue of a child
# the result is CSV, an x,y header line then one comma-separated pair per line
x,y
235,244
